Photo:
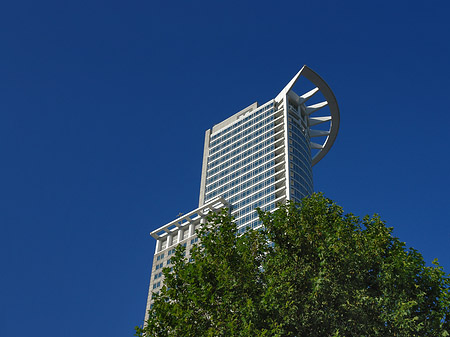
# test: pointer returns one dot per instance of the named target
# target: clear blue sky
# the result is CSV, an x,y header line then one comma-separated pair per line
x,y
103,108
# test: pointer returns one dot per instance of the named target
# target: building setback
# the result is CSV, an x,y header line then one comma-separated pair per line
x,y
259,157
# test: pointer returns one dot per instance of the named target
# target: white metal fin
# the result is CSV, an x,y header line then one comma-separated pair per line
x,y
316,146
317,120
303,98
318,133
310,109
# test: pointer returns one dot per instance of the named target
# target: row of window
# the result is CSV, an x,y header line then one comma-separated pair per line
x,y
254,215
215,137
263,130
241,140
247,218
303,156
241,156
239,168
296,195
168,262
244,207
298,117
235,186
246,169
302,178
300,162
300,152
296,158
241,202
295,123
253,224
302,189
236,148
301,147
301,139
243,131
161,265
298,173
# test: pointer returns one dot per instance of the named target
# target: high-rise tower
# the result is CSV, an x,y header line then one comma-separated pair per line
x,y
259,157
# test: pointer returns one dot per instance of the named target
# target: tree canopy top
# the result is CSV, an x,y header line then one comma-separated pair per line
x,y
326,274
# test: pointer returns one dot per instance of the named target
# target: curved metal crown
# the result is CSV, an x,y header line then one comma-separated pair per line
x,y
330,101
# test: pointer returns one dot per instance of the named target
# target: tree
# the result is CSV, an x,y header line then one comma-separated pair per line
x,y
312,271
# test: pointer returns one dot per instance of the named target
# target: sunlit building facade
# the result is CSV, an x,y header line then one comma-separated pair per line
x,y
259,157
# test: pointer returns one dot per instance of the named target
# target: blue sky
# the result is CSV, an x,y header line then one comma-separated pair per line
x,y
103,108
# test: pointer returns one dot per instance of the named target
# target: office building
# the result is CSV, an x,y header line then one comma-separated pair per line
x,y
259,157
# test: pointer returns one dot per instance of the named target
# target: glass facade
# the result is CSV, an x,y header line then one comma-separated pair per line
x,y
246,162
300,167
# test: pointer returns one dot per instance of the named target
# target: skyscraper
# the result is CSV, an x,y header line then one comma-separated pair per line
x,y
259,157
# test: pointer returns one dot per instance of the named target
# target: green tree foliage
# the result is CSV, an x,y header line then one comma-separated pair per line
x,y
312,271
